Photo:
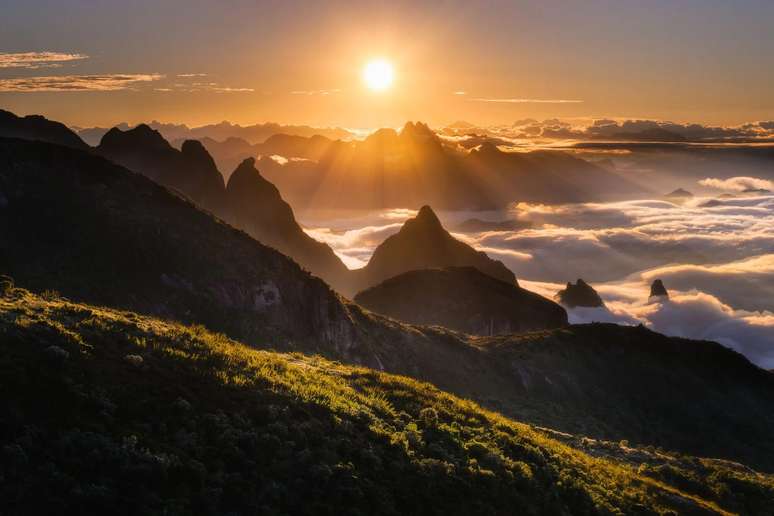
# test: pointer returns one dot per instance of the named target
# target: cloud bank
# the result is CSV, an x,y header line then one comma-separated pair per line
x,y
106,82
34,60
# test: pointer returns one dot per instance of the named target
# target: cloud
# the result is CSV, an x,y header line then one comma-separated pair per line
x,y
315,92
527,101
690,314
33,60
738,184
107,82
188,75
460,92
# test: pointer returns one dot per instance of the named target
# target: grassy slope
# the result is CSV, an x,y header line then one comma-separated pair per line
x,y
206,425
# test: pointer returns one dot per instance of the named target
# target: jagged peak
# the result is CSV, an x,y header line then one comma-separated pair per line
x,y
657,289
426,218
142,134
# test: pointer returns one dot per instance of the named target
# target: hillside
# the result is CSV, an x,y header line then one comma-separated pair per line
x,y
423,243
462,299
115,412
118,239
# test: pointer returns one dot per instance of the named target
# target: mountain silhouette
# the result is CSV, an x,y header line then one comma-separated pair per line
x,y
423,243
657,289
36,127
255,205
579,294
248,202
414,166
463,299
191,170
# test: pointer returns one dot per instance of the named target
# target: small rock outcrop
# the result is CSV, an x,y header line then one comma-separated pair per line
x,y
580,294
658,290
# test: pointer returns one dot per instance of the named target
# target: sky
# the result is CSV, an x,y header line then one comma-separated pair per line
x,y
301,62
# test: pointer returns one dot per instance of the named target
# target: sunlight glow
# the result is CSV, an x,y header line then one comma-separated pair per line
x,y
378,74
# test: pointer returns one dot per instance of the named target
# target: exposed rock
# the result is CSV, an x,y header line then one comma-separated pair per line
x,y
657,289
579,294
55,354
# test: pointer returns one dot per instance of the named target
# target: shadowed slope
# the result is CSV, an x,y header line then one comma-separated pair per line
x,y
462,299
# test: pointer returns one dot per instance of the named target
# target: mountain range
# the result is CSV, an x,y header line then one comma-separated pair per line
x,y
414,166
252,134
118,239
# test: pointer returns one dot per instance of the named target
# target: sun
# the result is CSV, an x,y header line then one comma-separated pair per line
x,y
378,74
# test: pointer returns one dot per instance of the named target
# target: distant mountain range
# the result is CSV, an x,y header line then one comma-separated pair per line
x,y
253,134
120,240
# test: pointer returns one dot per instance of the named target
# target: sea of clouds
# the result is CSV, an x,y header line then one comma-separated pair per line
x,y
714,254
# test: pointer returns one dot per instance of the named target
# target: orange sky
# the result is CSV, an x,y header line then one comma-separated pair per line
x,y
301,62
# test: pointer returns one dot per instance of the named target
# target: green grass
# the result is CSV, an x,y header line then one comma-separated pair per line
x,y
205,425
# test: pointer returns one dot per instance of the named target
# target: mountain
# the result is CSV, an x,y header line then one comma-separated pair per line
x,y
114,412
118,239
657,289
253,134
248,201
139,247
423,243
36,127
190,170
462,299
579,294
256,206
680,193
414,166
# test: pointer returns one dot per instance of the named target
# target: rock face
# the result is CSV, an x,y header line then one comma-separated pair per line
x,y
657,289
579,294
35,127
423,243
255,205
462,299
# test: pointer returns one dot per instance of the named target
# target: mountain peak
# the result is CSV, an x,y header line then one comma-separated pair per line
x,y
657,289
579,294
140,136
426,216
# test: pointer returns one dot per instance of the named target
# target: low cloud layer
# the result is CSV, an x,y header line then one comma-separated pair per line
x,y
106,82
716,259
738,184
34,60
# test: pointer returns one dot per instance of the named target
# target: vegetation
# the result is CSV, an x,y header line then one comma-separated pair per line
x,y
107,411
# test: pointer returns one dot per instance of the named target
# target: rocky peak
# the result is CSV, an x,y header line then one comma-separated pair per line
x,y
141,136
426,220
657,289
579,294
